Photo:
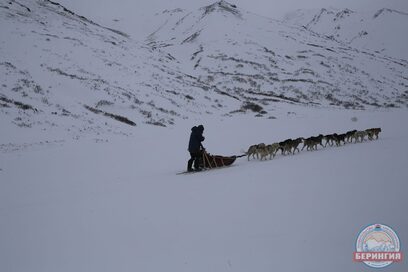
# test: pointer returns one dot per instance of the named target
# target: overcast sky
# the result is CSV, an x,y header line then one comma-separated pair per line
x,y
135,16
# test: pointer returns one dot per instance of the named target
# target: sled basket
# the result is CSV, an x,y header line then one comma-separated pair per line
x,y
214,161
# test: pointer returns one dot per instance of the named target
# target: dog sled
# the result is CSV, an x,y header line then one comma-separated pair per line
x,y
208,161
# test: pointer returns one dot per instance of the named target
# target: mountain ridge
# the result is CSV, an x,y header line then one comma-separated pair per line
x,y
363,30
188,41
62,72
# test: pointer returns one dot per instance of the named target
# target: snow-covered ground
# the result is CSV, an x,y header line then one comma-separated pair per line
x,y
116,204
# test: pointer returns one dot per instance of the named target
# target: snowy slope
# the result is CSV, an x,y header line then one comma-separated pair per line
x,y
381,31
63,73
250,57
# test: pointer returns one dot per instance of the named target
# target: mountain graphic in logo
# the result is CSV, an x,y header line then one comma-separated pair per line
x,y
378,246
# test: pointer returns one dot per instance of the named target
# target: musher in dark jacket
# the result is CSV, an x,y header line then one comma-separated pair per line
x,y
195,148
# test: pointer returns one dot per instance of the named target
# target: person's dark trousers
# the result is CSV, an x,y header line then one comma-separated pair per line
x,y
195,158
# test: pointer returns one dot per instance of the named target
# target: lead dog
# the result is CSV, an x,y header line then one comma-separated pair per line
x,y
371,132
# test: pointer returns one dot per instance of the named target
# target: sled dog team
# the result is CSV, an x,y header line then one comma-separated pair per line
x,y
290,146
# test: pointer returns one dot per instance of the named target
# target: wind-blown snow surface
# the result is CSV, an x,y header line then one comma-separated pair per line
x,y
118,205
382,31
